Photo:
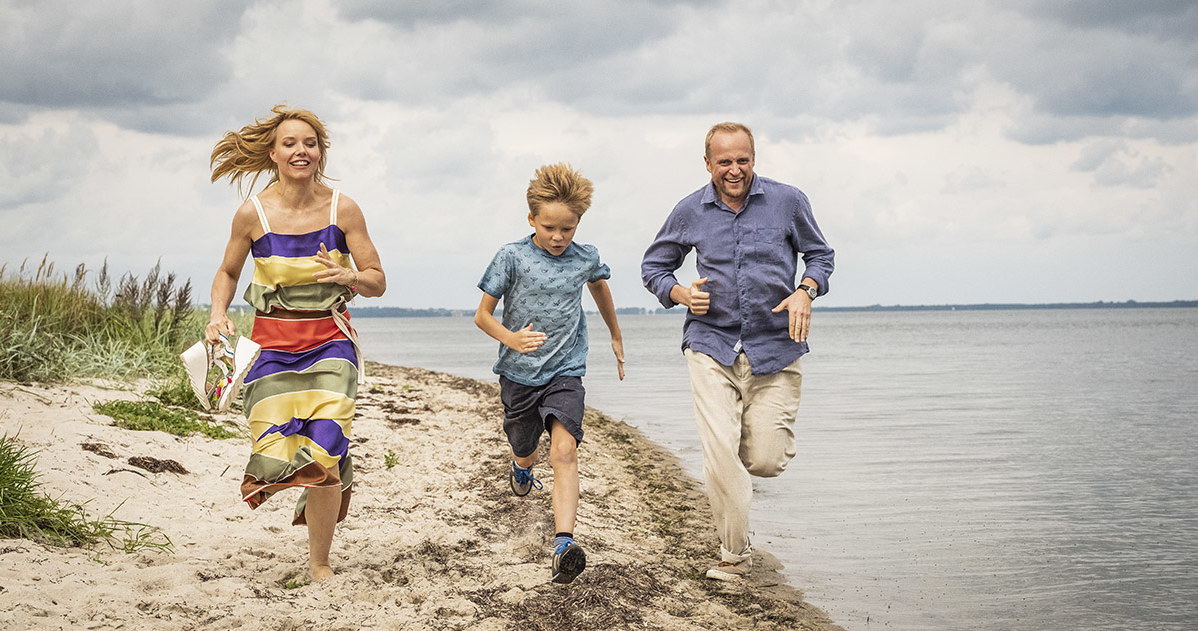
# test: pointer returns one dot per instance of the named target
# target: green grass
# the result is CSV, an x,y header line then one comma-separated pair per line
x,y
27,512
390,460
55,326
154,416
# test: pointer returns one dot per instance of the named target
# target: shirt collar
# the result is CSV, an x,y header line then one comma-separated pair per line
x,y
711,197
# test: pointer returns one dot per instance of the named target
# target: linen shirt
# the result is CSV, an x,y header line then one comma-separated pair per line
x,y
546,291
750,258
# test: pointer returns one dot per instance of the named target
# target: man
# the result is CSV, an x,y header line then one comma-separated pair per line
x,y
746,326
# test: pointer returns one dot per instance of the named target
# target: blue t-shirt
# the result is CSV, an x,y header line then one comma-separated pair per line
x,y
546,291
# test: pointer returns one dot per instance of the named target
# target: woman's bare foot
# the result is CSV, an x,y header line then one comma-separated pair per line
x,y
320,573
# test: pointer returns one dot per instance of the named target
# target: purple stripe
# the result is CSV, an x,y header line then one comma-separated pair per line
x,y
270,362
324,432
297,245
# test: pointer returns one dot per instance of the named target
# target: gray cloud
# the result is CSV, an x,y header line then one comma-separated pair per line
x,y
1113,163
1093,68
1173,19
98,56
43,166
1084,67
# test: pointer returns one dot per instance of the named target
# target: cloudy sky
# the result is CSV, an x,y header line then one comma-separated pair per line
x,y
955,151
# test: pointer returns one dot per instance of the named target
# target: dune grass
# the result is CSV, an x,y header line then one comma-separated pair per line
x,y
27,512
154,416
55,326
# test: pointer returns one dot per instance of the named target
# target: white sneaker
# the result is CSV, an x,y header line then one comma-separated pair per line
x,y
729,571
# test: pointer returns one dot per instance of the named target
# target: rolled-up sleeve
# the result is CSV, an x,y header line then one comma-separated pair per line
x,y
819,259
663,257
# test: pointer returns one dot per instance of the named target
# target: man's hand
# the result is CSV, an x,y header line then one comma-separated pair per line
x,y
526,340
798,306
694,298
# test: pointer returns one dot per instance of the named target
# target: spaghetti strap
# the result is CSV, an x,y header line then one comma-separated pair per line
x,y
333,209
261,214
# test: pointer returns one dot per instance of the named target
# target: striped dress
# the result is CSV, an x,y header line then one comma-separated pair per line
x,y
299,394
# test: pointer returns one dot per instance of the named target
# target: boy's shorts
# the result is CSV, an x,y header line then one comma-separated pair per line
x,y
527,411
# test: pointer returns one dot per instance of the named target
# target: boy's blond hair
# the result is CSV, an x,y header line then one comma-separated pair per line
x,y
559,183
728,128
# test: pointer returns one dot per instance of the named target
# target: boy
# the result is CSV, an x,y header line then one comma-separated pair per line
x,y
543,337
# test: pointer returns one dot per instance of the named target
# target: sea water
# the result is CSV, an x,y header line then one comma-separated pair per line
x,y
955,469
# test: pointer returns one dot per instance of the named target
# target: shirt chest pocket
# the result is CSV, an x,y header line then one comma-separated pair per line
x,y
769,236
769,245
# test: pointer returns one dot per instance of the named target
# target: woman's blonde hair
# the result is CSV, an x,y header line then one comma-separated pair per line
x,y
559,183
247,152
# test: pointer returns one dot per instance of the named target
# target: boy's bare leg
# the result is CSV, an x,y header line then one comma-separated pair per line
x,y
526,461
321,514
563,457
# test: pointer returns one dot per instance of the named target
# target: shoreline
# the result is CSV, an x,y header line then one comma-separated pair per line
x,y
434,537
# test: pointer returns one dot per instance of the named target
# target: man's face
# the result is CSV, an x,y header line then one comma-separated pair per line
x,y
730,164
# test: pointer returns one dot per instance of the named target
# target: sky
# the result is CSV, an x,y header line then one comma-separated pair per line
x,y
954,151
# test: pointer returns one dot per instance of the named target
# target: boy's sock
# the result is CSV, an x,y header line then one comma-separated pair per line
x,y
522,480
568,558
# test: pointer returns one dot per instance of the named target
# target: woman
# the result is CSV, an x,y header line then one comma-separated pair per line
x,y
299,395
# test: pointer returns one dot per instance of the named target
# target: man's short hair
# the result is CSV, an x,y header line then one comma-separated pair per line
x,y
728,128
559,183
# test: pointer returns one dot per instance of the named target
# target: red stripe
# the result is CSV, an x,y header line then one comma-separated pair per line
x,y
295,336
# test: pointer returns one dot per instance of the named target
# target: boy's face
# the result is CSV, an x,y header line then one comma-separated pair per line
x,y
554,227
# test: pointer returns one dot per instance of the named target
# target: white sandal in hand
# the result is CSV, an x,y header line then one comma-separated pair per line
x,y
232,365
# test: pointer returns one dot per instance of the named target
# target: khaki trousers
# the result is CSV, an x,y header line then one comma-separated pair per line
x,y
746,425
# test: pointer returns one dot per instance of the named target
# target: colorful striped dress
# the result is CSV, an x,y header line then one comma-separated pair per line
x,y
299,394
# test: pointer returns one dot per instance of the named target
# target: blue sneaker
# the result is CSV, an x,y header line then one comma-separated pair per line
x,y
568,561
522,481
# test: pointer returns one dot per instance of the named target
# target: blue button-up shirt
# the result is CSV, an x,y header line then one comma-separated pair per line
x,y
750,258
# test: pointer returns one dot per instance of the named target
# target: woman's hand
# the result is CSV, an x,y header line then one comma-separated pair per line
x,y
220,324
334,272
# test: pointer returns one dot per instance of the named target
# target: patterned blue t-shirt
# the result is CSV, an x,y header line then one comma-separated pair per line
x,y
546,291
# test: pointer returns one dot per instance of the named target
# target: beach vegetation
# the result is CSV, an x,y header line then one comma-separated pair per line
x,y
390,460
175,391
27,512
154,416
56,326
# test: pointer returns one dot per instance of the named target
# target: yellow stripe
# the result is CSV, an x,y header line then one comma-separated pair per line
x,y
286,271
306,404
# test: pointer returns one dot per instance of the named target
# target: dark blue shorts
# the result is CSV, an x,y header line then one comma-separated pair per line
x,y
529,410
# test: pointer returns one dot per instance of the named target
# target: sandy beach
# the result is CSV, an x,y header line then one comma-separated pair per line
x,y
436,540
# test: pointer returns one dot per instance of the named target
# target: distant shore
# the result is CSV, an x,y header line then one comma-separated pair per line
x,y
434,539
407,312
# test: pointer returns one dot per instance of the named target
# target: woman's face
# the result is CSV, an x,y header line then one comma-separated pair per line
x,y
296,151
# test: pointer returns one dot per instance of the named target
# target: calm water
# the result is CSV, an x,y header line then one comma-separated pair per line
x,y
956,470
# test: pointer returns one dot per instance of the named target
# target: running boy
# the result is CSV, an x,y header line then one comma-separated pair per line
x,y
544,343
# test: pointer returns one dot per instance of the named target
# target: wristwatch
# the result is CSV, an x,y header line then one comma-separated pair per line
x,y
811,291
